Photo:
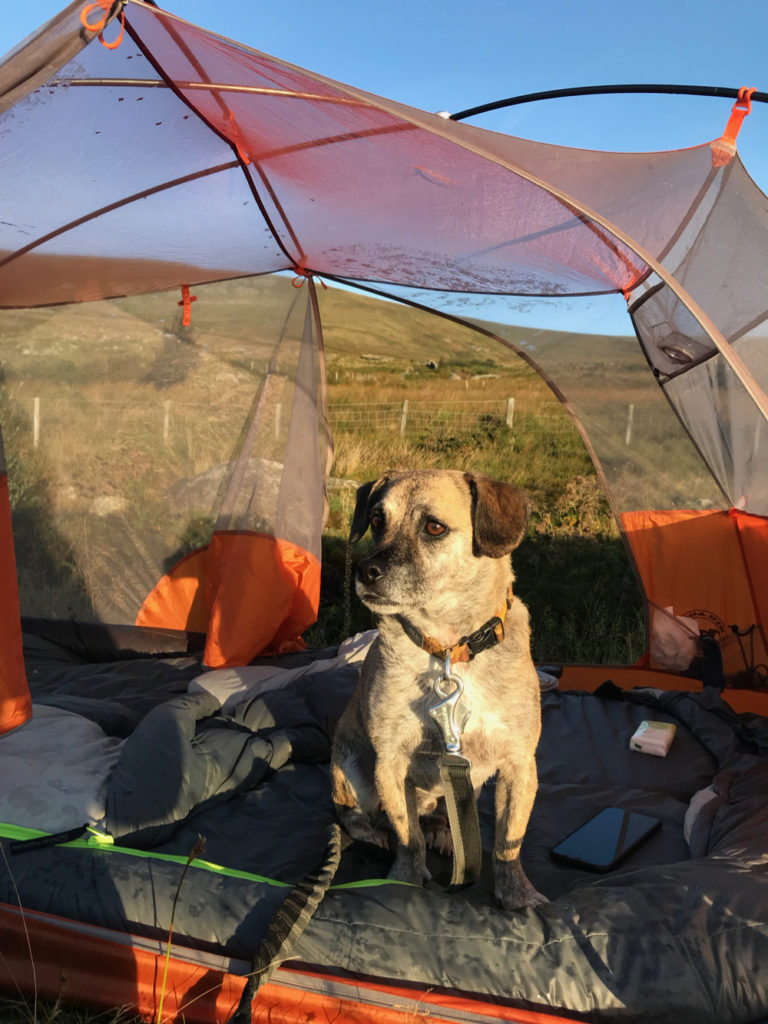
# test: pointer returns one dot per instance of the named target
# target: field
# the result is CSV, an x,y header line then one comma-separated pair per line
x,y
571,569
119,425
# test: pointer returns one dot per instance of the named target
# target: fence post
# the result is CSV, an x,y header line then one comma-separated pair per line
x,y
166,419
35,422
630,418
510,412
403,417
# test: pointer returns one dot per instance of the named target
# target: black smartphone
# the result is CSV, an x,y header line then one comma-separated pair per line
x,y
606,839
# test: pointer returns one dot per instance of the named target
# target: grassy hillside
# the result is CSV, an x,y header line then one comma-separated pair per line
x,y
119,422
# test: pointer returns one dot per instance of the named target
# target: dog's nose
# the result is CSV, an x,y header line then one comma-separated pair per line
x,y
369,571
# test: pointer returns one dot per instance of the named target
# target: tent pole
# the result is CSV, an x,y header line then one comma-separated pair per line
x,y
605,90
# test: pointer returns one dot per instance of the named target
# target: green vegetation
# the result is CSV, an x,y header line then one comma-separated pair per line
x,y
572,568
50,1011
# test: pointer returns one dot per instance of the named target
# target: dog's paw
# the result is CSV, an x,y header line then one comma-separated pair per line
x,y
438,837
370,834
378,837
520,900
358,825
513,889
409,867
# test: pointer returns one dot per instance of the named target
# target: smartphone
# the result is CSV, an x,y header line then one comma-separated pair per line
x,y
606,839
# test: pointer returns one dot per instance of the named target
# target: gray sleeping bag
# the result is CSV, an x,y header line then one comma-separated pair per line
x,y
678,933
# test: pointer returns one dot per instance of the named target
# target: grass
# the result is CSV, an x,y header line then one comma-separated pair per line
x,y
572,568
130,400
15,1010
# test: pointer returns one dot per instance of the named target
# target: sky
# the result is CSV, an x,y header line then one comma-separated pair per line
x,y
452,55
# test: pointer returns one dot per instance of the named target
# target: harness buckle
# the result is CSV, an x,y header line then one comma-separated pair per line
x,y
450,714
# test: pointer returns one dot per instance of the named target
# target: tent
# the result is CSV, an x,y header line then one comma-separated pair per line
x,y
162,638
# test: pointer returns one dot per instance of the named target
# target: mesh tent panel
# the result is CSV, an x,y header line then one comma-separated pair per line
x,y
718,260
120,428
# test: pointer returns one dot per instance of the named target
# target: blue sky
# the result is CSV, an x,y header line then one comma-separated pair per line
x,y
451,55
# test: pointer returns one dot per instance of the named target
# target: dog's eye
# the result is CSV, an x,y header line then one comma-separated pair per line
x,y
435,529
377,521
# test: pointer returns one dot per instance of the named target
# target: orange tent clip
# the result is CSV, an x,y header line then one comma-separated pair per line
x,y
186,304
302,273
724,148
100,25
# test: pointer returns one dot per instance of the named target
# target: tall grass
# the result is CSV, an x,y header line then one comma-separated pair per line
x,y
16,1010
572,567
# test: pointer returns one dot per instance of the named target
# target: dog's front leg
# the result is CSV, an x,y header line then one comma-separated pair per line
x,y
398,799
515,793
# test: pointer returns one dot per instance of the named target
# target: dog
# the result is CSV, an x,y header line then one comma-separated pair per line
x,y
440,569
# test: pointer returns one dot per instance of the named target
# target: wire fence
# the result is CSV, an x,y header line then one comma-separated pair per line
x,y
411,417
408,418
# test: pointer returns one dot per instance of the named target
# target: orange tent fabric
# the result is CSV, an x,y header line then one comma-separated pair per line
x,y
250,592
100,971
178,599
275,582
15,700
696,562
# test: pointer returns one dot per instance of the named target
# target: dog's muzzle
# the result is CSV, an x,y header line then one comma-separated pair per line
x,y
370,570
373,586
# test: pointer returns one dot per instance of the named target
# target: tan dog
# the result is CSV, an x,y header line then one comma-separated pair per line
x,y
441,568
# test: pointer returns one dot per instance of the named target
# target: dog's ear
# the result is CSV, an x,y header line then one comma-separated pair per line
x,y
362,504
499,515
